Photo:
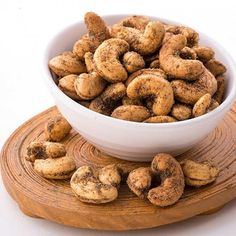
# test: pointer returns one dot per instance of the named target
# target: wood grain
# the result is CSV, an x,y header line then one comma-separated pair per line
x,y
54,200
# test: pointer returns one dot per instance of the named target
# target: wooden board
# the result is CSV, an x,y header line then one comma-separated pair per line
x,y
54,200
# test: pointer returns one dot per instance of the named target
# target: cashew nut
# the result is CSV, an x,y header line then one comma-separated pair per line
x,y
89,188
219,94
133,61
128,101
201,106
138,22
172,181
106,58
215,67
204,54
160,119
148,85
174,65
213,105
139,181
97,33
106,102
58,168
65,64
181,111
131,113
146,42
57,128
188,53
199,174
189,93
66,85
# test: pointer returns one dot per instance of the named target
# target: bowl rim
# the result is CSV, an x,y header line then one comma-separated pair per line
x,y
97,116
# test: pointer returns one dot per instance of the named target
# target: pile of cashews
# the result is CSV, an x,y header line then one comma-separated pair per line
x,y
141,70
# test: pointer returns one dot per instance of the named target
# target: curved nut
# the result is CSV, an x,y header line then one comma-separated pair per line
x,y
172,181
160,119
188,53
197,183
219,94
88,188
128,101
106,102
201,106
66,85
131,113
189,93
106,58
204,54
154,86
138,22
97,33
139,181
44,150
181,111
155,64
144,43
59,168
133,61
57,128
215,67
66,64
149,71
174,65
110,175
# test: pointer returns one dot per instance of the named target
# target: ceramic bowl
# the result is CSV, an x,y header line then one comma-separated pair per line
x,y
131,140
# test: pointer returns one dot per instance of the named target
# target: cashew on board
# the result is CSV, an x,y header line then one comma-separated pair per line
x,y
107,101
131,113
93,186
189,93
65,64
174,65
107,61
144,43
154,86
97,33
89,85
172,181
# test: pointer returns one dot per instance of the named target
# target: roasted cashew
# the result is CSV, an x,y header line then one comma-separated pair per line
x,y
106,102
44,150
149,71
138,22
144,43
199,174
213,105
181,111
172,181
174,65
139,181
160,119
204,54
219,94
190,34
133,61
188,53
131,113
66,85
97,33
65,64
148,85
189,93
89,188
57,128
215,67
106,58
201,106
89,62
58,168
128,101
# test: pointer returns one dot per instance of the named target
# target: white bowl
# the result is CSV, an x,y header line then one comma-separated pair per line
x,y
131,140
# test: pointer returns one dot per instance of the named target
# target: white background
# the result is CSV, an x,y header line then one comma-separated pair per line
x,y
26,26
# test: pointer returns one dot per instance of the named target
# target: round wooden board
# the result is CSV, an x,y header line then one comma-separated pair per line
x,y
55,201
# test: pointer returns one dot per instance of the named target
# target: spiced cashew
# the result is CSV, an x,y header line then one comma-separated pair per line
x,y
219,94
160,119
204,54
133,61
181,111
138,22
215,67
201,106
157,87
